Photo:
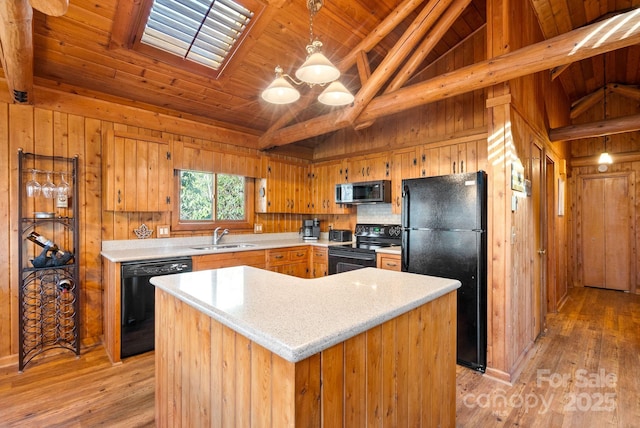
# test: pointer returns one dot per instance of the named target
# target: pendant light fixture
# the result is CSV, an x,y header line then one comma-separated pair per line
x,y
316,70
605,158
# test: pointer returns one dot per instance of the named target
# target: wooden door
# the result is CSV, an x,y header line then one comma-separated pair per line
x,y
606,217
539,225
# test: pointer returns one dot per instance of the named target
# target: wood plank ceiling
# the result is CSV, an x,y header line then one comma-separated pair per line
x,y
83,52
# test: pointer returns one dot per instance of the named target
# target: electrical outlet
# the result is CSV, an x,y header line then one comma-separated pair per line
x,y
330,226
257,228
163,231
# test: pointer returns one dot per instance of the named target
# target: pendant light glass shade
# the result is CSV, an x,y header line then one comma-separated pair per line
x,y
605,158
317,70
336,95
280,92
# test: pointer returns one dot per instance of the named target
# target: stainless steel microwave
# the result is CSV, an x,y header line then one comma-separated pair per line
x,y
368,192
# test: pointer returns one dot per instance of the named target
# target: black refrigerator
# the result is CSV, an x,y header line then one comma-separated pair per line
x,y
444,233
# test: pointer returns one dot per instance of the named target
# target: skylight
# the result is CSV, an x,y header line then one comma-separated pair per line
x,y
202,31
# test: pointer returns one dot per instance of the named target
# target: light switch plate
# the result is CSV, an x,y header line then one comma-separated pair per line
x,y
257,228
163,231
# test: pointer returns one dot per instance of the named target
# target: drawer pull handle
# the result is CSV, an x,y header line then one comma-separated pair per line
x,y
299,254
279,257
391,264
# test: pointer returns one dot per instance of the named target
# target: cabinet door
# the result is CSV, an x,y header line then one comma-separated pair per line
x,y
138,175
322,179
289,261
403,165
465,158
319,262
336,172
368,168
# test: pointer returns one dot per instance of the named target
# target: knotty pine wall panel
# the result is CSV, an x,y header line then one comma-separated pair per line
x,y
48,132
432,123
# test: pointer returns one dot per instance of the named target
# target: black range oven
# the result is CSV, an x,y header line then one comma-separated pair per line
x,y
362,253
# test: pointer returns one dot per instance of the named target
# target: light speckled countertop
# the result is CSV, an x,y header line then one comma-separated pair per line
x,y
295,317
148,249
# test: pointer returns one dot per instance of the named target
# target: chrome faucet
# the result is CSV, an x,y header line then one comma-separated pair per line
x,y
217,237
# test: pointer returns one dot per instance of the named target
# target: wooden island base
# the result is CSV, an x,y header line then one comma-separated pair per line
x,y
400,373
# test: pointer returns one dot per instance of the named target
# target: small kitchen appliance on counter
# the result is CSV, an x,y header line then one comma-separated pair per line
x,y
310,229
340,235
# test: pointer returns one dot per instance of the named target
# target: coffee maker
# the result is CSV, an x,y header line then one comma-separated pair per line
x,y
310,229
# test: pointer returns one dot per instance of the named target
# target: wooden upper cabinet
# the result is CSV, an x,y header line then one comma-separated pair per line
x,y
403,165
371,167
137,174
284,188
324,176
450,159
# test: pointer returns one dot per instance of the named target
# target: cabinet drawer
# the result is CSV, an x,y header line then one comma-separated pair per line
x,y
287,255
298,254
237,258
319,253
389,262
277,257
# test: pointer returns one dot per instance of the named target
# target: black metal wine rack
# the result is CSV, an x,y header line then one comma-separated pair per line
x,y
49,303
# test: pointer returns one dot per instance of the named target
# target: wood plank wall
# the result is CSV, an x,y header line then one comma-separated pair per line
x,y
515,123
48,132
452,119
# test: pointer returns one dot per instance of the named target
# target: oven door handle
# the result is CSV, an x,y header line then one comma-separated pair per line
x,y
354,256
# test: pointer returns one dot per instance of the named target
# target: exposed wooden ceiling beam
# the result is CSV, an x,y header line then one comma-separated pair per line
x,y
430,41
586,102
432,38
364,68
50,7
557,71
614,33
601,128
394,58
628,91
16,43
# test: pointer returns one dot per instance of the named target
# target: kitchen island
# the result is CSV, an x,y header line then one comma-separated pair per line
x,y
247,347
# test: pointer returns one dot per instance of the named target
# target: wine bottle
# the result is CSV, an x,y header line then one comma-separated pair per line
x,y
44,242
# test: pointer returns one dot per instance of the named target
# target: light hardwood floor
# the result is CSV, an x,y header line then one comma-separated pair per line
x,y
583,372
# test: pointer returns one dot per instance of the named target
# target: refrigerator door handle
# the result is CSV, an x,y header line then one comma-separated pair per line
x,y
406,200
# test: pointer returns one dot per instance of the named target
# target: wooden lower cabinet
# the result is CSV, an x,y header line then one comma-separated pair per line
x,y
289,261
216,261
210,375
389,261
319,262
111,309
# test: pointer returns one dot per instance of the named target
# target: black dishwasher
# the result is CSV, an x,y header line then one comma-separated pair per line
x,y
138,301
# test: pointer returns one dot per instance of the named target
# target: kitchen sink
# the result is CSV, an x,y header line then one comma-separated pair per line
x,y
222,246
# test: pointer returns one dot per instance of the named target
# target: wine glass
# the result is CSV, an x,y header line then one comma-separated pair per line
x,y
32,186
63,187
48,188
